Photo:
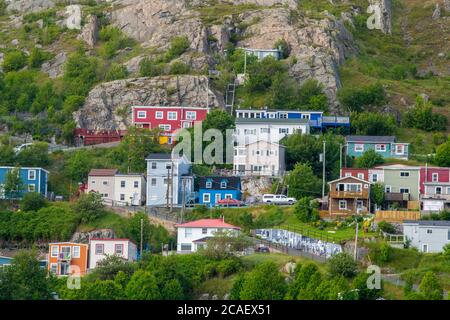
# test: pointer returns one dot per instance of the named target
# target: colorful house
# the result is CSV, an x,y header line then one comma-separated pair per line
x,y
357,173
434,189
401,183
386,146
68,258
167,118
427,236
213,189
101,248
33,180
348,196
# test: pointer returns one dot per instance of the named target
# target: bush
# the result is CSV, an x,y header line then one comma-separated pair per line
x,y
14,60
150,68
37,57
385,252
358,99
386,227
32,201
369,159
442,157
342,264
89,206
372,124
179,67
117,71
422,117
284,47
178,45
306,210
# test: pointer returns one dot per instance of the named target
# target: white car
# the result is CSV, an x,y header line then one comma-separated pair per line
x,y
278,199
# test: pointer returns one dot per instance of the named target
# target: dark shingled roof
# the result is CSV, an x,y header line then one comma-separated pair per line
x,y
159,156
379,139
233,183
103,172
430,223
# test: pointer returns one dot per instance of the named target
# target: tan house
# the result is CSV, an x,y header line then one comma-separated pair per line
x,y
348,195
102,181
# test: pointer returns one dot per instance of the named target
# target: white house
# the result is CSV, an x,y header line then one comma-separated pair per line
x,y
259,158
249,130
193,235
427,235
100,248
159,171
129,189
102,181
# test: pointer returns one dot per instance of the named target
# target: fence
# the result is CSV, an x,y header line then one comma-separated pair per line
x,y
311,233
396,216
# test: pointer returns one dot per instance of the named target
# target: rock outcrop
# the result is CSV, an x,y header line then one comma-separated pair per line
x,y
83,237
26,6
89,32
437,12
54,67
385,7
108,105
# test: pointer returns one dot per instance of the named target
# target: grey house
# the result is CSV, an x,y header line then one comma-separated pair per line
x,y
427,236
159,171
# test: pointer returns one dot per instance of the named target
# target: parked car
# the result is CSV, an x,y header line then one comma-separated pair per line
x,y
230,203
262,249
278,199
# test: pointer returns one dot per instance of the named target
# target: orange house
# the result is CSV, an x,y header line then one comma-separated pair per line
x,y
68,258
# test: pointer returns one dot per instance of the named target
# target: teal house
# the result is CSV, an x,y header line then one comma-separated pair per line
x,y
386,146
32,180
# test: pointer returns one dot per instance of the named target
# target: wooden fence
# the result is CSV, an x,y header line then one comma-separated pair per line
x,y
396,216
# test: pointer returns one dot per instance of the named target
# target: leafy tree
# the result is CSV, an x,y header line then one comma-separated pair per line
x,y
306,210
7,155
224,245
369,159
284,47
377,194
142,286
359,99
116,72
372,124
311,96
25,279
386,227
235,293
80,74
364,293
172,290
13,186
32,201
422,117
442,157
342,264
264,282
89,206
307,279
14,60
78,165
302,182
430,288
260,74
111,266
35,155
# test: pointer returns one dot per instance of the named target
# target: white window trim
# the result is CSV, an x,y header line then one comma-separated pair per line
x,y
189,115
404,176
51,251
31,188
435,175
79,252
435,189
388,187
379,149
404,188
209,198
34,173
171,113
140,116
358,147
343,201
56,267
165,127
159,115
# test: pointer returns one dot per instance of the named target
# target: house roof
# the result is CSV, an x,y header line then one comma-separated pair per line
x,y
429,223
280,110
204,239
397,167
233,183
25,168
207,223
112,239
103,172
68,242
378,139
270,120
159,156
350,177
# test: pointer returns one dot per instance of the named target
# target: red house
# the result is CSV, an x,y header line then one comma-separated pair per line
x,y
167,118
357,173
433,175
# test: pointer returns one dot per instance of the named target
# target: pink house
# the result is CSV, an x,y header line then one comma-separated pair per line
x,y
433,175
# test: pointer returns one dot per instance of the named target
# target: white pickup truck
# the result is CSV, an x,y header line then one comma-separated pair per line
x,y
278,199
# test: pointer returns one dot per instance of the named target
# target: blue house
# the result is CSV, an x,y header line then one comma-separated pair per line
x,y
33,180
215,188
386,146
316,118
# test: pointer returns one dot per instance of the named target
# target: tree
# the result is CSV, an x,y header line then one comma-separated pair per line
x,y
342,264
307,279
14,60
430,288
284,47
78,165
264,282
32,201
422,117
364,293
442,157
302,182
35,155
369,159
24,279
13,186
372,124
377,194
152,234
117,71
311,96
172,290
359,99
111,266
142,286
260,74
224,245
80,74
89,206
306,210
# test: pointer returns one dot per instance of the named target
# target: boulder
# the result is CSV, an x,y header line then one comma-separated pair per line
x,y
26,6
83,237
437,12
54,67
89,32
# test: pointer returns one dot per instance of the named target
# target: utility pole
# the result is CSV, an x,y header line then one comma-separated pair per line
x,y
323,171
183,199
171,187
356,234
168,186
142,234
340,158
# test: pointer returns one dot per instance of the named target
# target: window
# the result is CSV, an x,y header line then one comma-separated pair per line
x,y
429,231
54,251
435,177
166,180
118,249
186,125
348,174
105,195
425,248
380,147
76,251
306,116
208,185
142,114
191,115
172,115
438,190
122,184
404,190
399,149
359,204
404,173
359,148
387,189
265,130
168,166
187,232
206,197
361,176
105,183
283,115
228,196
153,182
159,115
342,204
223,184
186,247
448,235
136,184
249,131
448,190
122,197
374,177
165,127
31,174
217,197
284,130
154,165
99,248
31,188
204,230
54,268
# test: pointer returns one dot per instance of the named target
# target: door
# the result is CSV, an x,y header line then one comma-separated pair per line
x,y
65,268
217,198
425,248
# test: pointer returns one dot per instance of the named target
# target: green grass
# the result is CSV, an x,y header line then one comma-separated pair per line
x,y
109,220
216,286
280,259
392,291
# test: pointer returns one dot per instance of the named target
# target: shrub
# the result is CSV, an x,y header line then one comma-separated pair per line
x,y
385,252
150,68
179,67
386,227
442,157
116,72
32,201
372,124
342,264
358,99
306,210
37,57
14,60
284,47
89,206
178,45
369,159
422,117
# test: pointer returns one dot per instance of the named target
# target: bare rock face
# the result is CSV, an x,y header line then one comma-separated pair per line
x,y
447,5
385,9
437,12
54,67
83,237
155,22
108,105
319,46
89,32
26,6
